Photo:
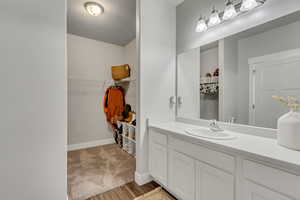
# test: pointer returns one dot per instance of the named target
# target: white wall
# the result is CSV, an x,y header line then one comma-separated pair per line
x,y
156,83
209,60
33,100
131,59
89,74
229,78
189,11
89,67
208,63
278,39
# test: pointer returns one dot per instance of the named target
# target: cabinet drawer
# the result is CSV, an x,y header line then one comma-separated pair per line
x,y
275,179
220,160
158,138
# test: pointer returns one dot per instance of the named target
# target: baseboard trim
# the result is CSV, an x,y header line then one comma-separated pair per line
x,y
142,179
86,145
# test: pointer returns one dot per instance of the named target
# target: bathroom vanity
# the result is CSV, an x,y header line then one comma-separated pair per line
x,y
231,80
246,167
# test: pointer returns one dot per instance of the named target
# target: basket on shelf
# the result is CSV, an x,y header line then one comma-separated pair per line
x,y
209,86
120,72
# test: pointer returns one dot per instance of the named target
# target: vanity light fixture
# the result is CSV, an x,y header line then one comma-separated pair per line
x,y
230,11
94,8
201,25
214,18
248,5
233,8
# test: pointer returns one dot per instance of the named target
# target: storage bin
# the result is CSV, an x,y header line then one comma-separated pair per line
x,y
131,131
124,128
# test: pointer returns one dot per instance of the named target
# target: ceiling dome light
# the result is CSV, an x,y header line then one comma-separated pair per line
x,y
214,18
229,11
201,25
94,8
248,5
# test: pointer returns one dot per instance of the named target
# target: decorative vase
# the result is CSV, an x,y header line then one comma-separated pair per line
x,y
289,130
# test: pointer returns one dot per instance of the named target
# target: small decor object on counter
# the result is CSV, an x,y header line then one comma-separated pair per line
x,y
289,124
120,72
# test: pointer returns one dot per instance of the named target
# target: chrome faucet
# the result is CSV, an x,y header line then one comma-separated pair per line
x,y
213,126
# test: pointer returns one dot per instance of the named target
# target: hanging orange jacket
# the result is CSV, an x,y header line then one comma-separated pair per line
x,y
114,103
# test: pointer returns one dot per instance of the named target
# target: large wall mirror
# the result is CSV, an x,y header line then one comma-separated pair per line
x,y
234,79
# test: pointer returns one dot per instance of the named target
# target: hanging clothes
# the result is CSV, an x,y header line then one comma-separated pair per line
x,y
114,103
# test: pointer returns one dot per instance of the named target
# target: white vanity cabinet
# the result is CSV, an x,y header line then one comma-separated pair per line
x,y
198,172
182,171
191,172
158,157
213,184
257,192
267,183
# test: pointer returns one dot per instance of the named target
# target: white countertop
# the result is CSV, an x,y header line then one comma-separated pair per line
x,y
265,149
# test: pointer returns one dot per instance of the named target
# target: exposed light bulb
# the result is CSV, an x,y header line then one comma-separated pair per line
x,y
94,8
229,11
214,18
201,25
248,5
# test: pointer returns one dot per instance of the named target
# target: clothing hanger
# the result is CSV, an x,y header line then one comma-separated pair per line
x,y
110,84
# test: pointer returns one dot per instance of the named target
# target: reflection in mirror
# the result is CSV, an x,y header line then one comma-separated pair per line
x,y
234,79
209,81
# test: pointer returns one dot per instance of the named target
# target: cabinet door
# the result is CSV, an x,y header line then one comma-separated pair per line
x,y
253,191
213,184
182,175
158,162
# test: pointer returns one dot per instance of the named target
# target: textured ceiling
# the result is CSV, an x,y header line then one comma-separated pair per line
x,y
116,25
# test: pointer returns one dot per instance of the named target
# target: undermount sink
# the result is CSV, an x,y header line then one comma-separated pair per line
x,y
209,134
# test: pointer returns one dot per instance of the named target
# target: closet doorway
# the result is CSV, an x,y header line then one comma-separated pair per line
x,y
101,53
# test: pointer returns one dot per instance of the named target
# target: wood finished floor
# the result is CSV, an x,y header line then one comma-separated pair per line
x,y
128,191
